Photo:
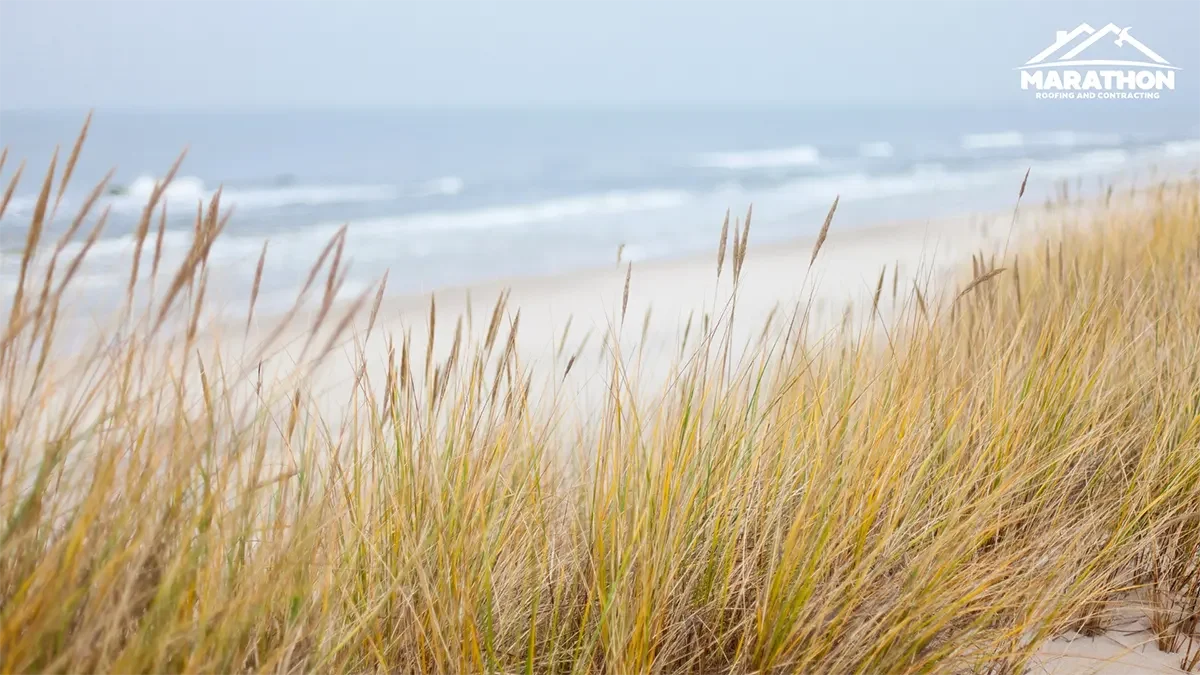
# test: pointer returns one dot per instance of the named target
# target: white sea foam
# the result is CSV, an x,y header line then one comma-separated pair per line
x,y
383,237
188,190
1070,139
820,190
1086,163
1181,148
182,188
20,205
993,141
777,158
609,203
861,186
1004,140
446,185
876,150
378,230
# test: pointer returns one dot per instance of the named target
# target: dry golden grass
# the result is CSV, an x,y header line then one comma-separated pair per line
x,y
1013,461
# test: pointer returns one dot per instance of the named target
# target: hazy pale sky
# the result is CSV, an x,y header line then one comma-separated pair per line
x,y
253,54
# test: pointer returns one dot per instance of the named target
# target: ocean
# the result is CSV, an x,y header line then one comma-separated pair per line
x,y
449,197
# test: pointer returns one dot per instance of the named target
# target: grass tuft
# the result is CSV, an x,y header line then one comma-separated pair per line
x,y
1010,468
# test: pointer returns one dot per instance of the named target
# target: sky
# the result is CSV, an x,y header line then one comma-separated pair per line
x,y
210,54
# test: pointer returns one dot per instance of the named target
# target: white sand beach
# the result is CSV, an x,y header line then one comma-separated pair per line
x,y
776,280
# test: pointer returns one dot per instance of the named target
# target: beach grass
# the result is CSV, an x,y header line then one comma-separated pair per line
x,y
938,491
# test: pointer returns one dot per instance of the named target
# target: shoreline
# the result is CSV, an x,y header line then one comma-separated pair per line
x,y
580,314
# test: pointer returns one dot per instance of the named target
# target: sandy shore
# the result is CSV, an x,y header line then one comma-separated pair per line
x,y
663,295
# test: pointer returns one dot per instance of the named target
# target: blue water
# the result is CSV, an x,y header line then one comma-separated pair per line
x,y
450,197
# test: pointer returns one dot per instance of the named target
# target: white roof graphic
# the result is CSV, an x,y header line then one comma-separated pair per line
x,y
1068,58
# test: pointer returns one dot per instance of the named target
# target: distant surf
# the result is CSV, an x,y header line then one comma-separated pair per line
x,y
1016,139
593,210
802,155
1182,148
517,215
188,190
482,195
378,229
876,150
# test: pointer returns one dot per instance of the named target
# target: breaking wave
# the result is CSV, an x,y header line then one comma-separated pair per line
x,y
549,211
876,150
446,185
1182,148
992,141
777,158
187,190
1002,140
608,203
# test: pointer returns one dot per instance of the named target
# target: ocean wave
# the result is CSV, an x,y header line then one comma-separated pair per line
x,y
778,158
609,203
1070,139
862,186
932,178
313,237
819,191
187,190
20,204
992,141
1082,164
1182,148
876,150
447,186
181,188
1004,140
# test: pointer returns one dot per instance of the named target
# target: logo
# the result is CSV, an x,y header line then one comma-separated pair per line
x,y
1064,71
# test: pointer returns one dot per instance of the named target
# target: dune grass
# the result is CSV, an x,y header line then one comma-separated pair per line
x,y
939,492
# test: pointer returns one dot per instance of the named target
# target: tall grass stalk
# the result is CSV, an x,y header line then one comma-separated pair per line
x,y
1022,460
